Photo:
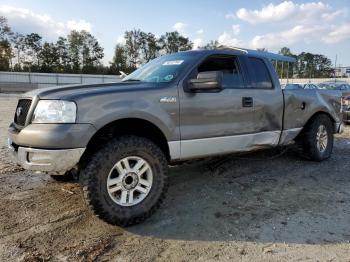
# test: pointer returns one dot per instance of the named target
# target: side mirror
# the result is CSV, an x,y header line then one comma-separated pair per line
x,y
210,80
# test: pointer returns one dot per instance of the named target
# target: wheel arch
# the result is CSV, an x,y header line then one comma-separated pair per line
x,y
127,126
308,141
318,113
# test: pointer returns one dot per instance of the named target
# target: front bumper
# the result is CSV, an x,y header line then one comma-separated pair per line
x,y
44,160
52,136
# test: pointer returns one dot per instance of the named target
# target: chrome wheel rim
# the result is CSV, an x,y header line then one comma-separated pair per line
x,y
322,138
129,181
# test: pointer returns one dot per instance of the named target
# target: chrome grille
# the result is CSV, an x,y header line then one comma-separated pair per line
x,y
22,110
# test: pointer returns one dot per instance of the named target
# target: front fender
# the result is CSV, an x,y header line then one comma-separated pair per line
x,y
101,110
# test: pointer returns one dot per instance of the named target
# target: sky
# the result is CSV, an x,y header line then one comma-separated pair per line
x,y
321,27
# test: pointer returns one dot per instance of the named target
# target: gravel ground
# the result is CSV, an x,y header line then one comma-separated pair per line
x,y
270,205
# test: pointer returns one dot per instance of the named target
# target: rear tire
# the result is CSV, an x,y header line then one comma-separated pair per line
x,y
125,182
317,138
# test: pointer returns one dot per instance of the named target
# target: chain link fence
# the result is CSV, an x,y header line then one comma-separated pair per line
x,y
21,82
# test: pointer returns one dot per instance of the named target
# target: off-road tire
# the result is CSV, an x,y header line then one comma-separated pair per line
x,y
308,142
93,179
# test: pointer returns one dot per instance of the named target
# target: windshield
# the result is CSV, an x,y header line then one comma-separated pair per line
x,y
161,70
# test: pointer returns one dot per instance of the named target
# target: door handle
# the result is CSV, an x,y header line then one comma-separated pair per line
x,y
247,101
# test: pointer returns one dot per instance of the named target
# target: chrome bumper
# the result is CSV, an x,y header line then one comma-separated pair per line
x,y
45,160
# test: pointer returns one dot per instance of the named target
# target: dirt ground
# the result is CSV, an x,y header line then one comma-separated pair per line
x,y
270,205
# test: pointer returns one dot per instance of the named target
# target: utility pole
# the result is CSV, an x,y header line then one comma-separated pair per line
x,y
335,68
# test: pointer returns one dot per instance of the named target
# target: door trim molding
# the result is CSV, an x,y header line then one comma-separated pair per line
x,y
202,147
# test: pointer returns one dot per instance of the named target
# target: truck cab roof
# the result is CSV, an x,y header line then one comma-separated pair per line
x,y
243,51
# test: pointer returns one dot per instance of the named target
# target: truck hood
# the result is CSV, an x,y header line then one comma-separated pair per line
x,y
72,92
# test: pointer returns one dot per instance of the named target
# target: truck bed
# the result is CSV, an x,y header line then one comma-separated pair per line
x,y
301,105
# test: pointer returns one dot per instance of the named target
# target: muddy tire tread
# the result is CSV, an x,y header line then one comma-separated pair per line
x,y
307,138
90,184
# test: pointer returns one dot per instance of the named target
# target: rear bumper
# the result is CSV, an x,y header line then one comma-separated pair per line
x,y
44,160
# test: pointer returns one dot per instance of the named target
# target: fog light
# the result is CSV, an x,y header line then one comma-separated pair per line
x,y
38,158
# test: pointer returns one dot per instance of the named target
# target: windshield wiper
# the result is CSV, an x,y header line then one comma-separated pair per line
x,y
132,80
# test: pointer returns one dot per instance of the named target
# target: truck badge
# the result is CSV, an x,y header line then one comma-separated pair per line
x,y
19,111
168,100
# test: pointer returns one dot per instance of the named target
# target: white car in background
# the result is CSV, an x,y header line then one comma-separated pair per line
x,y
296,86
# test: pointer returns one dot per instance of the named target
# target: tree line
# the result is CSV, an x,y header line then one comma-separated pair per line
x,y
307,65
80,52
141,47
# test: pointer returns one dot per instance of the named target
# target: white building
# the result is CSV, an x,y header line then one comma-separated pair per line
x,y
343,71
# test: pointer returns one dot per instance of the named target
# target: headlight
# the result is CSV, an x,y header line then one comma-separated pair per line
x,y
55,111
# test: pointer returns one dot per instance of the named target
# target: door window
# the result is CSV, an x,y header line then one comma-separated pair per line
x,y
232,77
260,74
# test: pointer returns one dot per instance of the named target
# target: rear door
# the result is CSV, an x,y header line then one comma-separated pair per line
x,y
267,99
216,122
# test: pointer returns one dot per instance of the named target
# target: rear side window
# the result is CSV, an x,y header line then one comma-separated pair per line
x,y
260,73
228,65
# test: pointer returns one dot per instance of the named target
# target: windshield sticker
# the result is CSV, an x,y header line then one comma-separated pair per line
x,y
173,62
168,77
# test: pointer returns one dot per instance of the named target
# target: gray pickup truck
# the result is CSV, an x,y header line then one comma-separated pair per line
x,y
120,137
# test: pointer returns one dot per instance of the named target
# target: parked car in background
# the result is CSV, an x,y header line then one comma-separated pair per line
x,y
292,86
301,86
332,85
346,109
340,86
311,86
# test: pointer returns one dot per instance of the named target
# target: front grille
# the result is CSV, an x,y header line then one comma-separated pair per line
x,y
22,111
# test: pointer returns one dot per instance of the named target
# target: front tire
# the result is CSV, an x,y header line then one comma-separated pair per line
x,y
317,138
125,182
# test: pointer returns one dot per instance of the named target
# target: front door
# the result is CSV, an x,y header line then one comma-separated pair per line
x,y
216,122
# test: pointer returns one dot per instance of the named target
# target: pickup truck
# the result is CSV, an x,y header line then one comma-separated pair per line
x,y
120,137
